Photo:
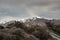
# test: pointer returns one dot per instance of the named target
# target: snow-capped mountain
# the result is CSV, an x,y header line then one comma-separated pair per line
x,y
31,27
8,18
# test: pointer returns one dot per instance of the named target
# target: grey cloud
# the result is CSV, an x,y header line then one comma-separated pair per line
x,y
18,8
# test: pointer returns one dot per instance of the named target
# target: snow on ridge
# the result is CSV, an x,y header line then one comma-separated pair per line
x,y
45,18
9,18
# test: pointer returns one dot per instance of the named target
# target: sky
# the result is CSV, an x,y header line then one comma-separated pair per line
x,y
30,8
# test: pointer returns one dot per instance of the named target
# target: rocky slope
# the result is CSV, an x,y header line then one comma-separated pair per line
x,y
31,29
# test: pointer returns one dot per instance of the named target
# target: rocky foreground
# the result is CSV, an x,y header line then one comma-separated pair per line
x,y
31,29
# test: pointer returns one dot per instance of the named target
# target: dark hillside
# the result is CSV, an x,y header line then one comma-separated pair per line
x,y
31,29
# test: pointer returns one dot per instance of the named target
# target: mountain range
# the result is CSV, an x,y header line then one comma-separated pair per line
x,y
35,28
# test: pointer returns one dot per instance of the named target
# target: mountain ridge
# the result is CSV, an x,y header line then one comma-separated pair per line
x,y
35,28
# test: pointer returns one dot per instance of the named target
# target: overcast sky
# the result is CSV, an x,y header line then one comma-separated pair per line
x,y
30,8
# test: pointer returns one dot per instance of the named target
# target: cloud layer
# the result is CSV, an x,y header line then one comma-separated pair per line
x,y
29,8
